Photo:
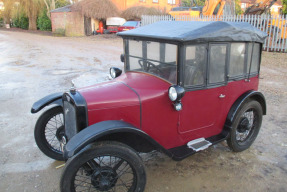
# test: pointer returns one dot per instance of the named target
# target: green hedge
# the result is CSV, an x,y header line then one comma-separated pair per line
x,y
43,22
284,9
21,22
1,22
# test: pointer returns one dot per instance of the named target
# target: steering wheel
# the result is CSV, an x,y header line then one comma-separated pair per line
x,y
149,66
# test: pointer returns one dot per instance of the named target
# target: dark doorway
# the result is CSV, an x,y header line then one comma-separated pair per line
x,y
88,26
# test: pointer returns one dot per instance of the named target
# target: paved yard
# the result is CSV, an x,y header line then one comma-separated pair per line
x,y
34,65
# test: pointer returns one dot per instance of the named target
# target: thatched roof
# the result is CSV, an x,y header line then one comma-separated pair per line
x,y
97,9
135,13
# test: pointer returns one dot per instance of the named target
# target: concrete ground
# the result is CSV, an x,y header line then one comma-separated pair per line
x,y
35,65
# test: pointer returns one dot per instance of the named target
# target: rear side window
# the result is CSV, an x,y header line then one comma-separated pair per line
x,y
217,63
255,58
237,59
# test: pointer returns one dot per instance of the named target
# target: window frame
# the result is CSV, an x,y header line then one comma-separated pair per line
x,y
206,84
181,56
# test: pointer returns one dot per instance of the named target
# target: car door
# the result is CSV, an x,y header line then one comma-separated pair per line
x,y
205,83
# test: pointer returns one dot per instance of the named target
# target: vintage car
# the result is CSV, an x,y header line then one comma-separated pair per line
x,y
186,86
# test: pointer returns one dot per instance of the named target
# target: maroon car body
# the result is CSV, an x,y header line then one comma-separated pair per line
x,y
136,97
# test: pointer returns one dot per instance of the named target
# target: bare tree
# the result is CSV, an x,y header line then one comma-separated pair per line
x,y
32,9
50,5
7,13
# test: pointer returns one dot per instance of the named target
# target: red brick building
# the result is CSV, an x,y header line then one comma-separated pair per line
x,y
68,23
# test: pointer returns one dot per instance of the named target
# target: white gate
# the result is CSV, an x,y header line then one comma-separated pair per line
x,y
274,26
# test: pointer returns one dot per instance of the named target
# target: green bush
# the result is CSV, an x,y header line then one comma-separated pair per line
x,y
1,22
21,22
43,22
24,22
16,22
284,9
62,3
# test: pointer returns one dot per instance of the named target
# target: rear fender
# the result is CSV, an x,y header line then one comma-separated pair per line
x,y
250,95
113,131
55,98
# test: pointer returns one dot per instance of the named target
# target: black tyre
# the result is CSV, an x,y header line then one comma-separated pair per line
x,y
108,166
49,131
245,126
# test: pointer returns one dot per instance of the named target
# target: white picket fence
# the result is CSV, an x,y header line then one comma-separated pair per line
x,y
274,26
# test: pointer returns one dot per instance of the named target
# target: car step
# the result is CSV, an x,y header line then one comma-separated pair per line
x,y
199,144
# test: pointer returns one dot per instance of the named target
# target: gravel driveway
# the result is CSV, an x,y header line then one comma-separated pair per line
x,y
34,65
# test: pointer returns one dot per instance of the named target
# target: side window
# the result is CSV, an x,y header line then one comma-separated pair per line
x,y
153,50
255,58
170,54
217,63
237,59
136,49
195,65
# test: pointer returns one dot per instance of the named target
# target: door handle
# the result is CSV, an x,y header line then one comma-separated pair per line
x,y
221,96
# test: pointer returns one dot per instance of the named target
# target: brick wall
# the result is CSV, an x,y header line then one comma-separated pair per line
x,y
68,24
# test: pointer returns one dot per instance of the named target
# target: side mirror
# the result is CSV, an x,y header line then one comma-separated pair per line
x,y
122,57
176,93
115,72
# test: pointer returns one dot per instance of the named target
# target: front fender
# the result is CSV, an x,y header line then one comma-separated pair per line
x,y
54,98
99,130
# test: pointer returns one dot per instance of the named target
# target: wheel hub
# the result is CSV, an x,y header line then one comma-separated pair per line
x,y
60,133
243,125
104,178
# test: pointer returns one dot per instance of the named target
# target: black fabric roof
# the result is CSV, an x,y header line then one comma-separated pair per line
x,y
198,31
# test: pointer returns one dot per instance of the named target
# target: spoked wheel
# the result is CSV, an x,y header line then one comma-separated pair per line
x,y
105,167
245,126
49,131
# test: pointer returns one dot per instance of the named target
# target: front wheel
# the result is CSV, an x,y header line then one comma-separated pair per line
x,y
108,166
49,131
245,126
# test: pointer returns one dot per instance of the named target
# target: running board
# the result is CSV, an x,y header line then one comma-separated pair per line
x,y
199,144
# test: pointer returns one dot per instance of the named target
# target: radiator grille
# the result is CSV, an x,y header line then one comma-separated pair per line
x,y
70,120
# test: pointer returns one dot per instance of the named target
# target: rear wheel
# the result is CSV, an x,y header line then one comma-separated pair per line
x,y
245,126
49,131
108,166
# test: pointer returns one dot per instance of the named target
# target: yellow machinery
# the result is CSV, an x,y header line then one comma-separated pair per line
x,y
210,8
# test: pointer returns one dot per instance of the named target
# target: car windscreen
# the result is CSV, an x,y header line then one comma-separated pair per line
x,y
155,58
131,23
